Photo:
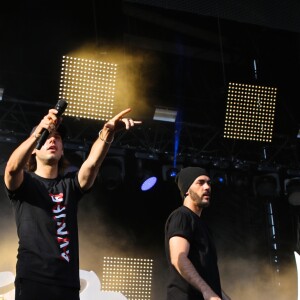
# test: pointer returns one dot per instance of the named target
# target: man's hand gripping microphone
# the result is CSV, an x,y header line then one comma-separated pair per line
x,y
60,106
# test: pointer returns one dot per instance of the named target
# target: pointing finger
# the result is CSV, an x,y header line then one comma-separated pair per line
x,y
121,114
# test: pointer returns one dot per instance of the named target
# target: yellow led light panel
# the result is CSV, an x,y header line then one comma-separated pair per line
x,y
250,112
89,88
130,276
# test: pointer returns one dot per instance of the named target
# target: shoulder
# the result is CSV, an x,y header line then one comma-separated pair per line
x,y
23,189
181,211
179,223
179,217
71,179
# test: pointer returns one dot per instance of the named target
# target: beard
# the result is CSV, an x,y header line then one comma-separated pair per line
x,y
198,200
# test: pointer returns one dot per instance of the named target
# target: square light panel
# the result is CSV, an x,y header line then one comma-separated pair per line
x,y
250,112
130,276
89,87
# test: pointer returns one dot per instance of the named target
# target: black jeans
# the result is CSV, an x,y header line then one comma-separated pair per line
x,y
32,290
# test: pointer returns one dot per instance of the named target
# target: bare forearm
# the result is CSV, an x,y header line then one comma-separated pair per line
x,y
17,161
90,167
100,148
21,155
189,273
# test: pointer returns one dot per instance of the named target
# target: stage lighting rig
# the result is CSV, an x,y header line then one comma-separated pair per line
x,y
89,86
250,112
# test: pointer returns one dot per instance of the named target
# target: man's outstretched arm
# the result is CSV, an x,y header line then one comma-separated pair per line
x,y
90,168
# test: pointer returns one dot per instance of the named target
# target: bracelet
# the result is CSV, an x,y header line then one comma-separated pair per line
x,y
105,141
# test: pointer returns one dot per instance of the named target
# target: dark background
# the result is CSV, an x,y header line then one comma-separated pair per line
x,y
173,54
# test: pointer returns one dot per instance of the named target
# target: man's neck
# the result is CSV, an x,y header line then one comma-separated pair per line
x,y
47,171
191,205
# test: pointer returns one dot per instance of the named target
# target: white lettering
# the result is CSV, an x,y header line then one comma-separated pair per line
x,y
61,228
61,225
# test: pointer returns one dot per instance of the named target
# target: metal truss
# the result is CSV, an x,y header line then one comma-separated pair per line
x,y
188,143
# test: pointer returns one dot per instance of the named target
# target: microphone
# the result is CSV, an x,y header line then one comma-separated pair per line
x,y
60,106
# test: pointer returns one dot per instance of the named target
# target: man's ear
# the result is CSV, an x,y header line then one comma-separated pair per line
x,y
187,193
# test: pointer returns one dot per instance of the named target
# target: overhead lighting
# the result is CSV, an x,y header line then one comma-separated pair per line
x,y
221,163
89,86
218,177
146,178
268,167
148,181
165,114
169,172
292,190
146,155
172,173
250,112
202,161
267,185
241,180
241,165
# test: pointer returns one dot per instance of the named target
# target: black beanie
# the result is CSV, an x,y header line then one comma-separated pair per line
x,y
187,176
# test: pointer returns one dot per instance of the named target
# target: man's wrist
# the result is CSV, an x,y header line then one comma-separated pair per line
x,y
105,138
36,135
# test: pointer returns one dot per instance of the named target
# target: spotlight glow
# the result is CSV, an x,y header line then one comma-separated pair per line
x,y
171,173
148,183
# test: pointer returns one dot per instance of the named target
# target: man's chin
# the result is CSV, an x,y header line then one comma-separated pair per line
x,y
205,203
53,159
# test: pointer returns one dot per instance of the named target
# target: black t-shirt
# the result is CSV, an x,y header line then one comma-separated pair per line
x,y
185,223
46,218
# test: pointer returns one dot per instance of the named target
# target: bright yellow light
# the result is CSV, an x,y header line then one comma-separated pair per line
x,y
250,112
89,87
130,276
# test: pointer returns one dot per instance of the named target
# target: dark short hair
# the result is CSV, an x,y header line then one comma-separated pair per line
x,y
62,130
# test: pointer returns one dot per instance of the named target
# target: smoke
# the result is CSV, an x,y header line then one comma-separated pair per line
x,y
101,235
245,272
243,276
8,234
253,278
132,87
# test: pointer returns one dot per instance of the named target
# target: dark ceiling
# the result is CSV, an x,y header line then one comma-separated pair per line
x,y
195,50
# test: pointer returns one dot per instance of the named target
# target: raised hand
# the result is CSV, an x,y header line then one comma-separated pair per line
x,y
118,122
